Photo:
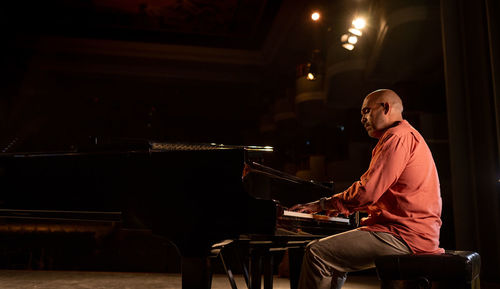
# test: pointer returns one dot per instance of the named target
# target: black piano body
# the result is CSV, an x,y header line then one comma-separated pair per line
x,y
191,194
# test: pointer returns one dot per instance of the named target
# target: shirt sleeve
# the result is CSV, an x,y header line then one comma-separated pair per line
x,y
389,159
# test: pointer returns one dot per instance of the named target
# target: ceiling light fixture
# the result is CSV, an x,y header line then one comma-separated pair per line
x,y
354,32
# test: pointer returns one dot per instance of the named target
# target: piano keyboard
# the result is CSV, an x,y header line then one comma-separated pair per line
x,y
315,217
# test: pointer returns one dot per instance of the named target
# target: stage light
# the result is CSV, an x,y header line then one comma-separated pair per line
x,y
312,69
352,39
359,23
355,31
348,46
315,16
344,38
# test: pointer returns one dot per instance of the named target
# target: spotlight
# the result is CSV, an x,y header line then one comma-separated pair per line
x,y
315,16
355,31
312,71
348,46
359,23
352,39
344,38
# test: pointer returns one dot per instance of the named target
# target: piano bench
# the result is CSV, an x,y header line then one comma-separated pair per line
x,y
450,270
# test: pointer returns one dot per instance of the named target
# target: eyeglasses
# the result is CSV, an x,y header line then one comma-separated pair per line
x,y
366,110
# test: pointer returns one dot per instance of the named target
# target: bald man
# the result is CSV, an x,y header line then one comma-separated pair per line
x,y
399,191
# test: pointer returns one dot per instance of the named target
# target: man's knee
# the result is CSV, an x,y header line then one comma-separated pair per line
x,y
314,258
313,253
310,249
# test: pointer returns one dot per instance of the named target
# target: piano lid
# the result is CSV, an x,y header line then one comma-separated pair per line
x,y
166,146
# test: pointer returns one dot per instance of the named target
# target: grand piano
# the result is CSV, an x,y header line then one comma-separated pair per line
x,y
195,195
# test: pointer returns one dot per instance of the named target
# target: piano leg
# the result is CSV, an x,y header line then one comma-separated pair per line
x,y
295,256
196,273
261,265
255,269
267,260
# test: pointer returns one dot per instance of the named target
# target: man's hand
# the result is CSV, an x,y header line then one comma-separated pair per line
x,y
332,213
309,208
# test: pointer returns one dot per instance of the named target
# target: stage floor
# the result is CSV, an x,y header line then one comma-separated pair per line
x,y
21,279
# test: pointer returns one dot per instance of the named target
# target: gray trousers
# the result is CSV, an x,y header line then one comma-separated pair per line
x,y
327,261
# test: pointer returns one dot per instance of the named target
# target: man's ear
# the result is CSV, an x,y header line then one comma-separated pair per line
x,y
386,107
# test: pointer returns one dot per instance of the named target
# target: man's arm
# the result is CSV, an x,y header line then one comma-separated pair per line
x,y
389,160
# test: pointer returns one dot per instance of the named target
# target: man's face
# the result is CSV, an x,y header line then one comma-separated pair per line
x,y
373,117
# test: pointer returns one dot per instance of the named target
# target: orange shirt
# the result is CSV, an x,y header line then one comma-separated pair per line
x,y
400,190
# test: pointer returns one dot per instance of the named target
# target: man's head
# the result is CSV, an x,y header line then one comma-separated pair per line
x,y
380,110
